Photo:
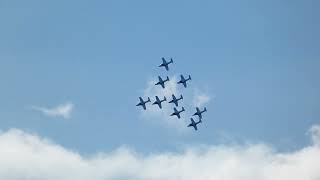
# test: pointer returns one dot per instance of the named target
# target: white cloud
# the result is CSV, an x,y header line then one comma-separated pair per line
x,y
62,110
200,99
314,132
27,156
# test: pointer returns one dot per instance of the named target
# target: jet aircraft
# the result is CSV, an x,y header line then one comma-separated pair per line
x,y
143,103
184,81
194,124
199,113
158,101
161,82
166,64
175,100
177,113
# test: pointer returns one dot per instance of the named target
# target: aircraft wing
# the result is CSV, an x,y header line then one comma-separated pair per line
x,y
192,121
167,67
176,103
178,116
182,78
200,116
160,106
185,84
162,84
164,61
195,127
144,106
141,100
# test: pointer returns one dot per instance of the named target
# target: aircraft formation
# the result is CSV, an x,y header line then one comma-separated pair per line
x,y
175,100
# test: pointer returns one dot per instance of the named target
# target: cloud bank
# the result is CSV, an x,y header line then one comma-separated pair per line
x,y
62,110
28,156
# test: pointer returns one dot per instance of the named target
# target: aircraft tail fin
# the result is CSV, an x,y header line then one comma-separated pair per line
x,y
171,61
149,99
168,78
182,109
165,99
205,109
189,77
181,97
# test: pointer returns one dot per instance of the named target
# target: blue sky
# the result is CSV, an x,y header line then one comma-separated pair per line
x,y
258,61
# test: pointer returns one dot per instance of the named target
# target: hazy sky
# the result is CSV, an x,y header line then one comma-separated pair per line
x,y
72,71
